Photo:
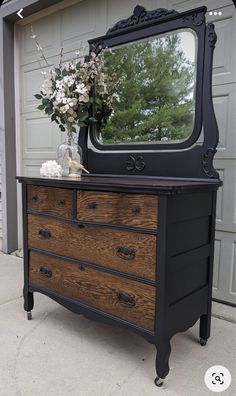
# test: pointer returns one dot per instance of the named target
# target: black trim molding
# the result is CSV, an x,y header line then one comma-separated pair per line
x,y
140,16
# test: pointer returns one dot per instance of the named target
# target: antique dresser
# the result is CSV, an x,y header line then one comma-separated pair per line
x,y
132,243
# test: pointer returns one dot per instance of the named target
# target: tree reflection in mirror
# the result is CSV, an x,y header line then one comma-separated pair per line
x,y
154,96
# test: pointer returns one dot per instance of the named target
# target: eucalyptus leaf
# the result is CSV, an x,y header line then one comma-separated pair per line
x,y
37,96
45,101
62,128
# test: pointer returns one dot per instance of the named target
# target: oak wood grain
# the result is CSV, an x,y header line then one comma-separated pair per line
x,y
134,210
100,245
58,201
96,288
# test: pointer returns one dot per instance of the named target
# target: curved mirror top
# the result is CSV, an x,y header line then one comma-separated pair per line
x,y
153,92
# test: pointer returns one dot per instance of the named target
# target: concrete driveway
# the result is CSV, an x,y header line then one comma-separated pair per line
x,y
59,353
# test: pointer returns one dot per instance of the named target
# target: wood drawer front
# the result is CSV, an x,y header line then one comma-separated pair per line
x,y
124,251
124,298
58,201
118,208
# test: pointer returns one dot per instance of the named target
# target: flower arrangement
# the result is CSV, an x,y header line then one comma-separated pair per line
x,y
65,94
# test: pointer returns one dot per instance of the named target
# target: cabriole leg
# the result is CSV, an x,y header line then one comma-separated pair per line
x,y
162,361
204,328
28,303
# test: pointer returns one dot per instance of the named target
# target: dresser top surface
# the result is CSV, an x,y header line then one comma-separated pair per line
x,y
129,183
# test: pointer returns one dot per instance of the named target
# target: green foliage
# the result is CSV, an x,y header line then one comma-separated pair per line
x,y
154,97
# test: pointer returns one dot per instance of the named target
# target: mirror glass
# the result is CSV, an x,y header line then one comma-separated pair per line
x,y
153,91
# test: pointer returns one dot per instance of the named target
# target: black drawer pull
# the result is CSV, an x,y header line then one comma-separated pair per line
x,y
136,210
34,198
92,205
45,272
125,253
44,233
127,299
61,202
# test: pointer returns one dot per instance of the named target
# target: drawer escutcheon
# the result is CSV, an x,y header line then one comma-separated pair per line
x,y
125,253
47,272
126,299
44,233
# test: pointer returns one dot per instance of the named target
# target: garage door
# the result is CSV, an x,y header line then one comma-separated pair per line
x,y
70,28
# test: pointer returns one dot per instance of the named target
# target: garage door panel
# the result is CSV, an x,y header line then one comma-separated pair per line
x,y
47,30
224,284
31,81
226,197
182,5
224,100
224,58
40,137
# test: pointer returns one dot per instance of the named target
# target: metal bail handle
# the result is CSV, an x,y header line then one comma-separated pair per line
x,y
125,253
126,299
47,272
44,233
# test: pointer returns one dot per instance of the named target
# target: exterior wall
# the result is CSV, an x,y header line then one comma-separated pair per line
x,y
0,203
70,28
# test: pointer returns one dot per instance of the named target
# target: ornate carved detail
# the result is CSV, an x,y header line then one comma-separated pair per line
x,y
135,163
196,18
212,37
207,159
141,15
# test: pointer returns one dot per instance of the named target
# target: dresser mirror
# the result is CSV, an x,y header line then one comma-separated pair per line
x,y
161,61
153,90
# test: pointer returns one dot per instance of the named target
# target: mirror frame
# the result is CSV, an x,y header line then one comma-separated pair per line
x,y
193,160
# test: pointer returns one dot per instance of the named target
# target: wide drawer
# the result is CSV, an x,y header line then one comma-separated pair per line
x,y
118,208
121,250
124,298
58,201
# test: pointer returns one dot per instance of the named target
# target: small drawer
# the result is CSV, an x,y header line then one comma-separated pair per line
x,y
58,201
123,298
133,210
125,251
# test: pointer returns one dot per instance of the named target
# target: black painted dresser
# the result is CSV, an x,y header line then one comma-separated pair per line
x,y
135,252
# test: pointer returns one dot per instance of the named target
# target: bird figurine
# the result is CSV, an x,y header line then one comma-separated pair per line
x,y
74,167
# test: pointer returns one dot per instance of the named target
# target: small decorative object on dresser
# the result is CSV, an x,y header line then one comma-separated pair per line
x,y
132,244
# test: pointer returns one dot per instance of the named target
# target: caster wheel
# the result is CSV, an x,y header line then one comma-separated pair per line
x,y
158,382
29,315
202,342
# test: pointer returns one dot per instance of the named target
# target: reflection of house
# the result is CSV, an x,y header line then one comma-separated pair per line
x,y
70,23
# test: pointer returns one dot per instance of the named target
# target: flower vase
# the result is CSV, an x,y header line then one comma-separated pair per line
x,y
69,156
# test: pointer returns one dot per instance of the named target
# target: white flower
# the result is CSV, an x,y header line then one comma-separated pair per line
x,y
71,119
69,66
59,84
69,80
51,169
84,98
47,87
81,88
